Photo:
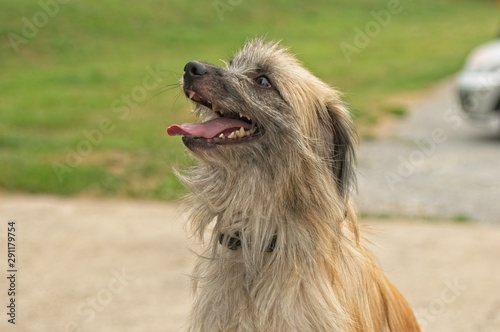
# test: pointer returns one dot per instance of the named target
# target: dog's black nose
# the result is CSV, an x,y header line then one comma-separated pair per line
x,y
194,68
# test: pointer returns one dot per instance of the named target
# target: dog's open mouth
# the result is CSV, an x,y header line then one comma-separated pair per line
x,y
226,127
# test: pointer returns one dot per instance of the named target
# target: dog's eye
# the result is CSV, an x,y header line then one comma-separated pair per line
x,y
263,81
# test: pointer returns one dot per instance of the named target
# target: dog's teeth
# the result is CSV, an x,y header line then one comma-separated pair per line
x,y
242,132
191,94
221,136
239,133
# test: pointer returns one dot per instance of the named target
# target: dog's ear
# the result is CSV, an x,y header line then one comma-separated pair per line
x,y
342,140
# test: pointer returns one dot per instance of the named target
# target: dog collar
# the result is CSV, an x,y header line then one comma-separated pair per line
x,y
234,242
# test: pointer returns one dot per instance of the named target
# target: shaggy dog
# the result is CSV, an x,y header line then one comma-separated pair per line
x,y
274,184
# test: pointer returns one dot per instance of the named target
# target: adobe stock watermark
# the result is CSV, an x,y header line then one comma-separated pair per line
x,y
222,6
31,26
425,148
429,314
488,89
372,29
90,307
121,107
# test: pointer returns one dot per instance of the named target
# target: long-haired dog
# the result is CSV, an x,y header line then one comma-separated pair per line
x,y
274,183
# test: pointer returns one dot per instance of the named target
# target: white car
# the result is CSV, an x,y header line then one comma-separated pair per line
x,y
478,84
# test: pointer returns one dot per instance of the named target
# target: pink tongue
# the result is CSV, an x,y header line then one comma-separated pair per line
x,y
208,129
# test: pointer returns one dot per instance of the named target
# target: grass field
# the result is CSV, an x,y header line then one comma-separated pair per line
x,y
87,88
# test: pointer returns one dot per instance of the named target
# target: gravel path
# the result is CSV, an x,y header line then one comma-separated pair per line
x,y
433,164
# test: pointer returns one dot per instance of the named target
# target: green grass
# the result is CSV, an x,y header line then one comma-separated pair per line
x,y
397,111
71,75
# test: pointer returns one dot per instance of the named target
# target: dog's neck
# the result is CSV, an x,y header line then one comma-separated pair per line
x,y
261,202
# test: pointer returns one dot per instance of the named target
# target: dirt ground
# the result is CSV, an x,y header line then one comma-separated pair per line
x,y
115,265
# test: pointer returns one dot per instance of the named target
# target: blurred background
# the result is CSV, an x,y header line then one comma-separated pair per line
x,y
87,88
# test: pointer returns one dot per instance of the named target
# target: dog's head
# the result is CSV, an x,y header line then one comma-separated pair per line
x,y
264,109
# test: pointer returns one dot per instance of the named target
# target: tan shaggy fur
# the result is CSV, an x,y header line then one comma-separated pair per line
x,y
292,181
